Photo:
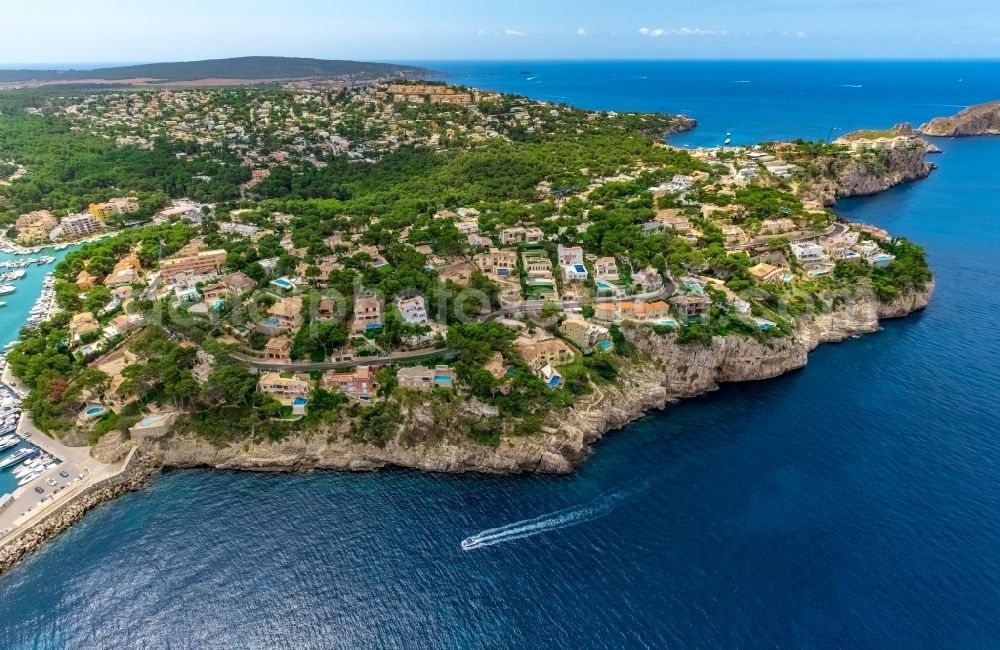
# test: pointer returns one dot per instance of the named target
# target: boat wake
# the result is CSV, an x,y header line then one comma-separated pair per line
x,y
599,507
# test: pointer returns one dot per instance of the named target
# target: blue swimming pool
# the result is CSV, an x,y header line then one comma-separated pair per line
x,y
439,379
604,345
96,410
604,286
668,322
150,420
299,401
282,282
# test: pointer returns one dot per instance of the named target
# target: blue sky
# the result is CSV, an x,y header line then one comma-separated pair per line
x,y
132,31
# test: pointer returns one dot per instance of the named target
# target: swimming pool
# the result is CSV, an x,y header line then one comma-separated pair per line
x,y
150,420
96,410
668,322
604,345
788,277
299,401
440,379
282,282
604,286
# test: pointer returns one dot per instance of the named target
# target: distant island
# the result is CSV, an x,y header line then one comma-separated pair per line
x,y
234,71
983,119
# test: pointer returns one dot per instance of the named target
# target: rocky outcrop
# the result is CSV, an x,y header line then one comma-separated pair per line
x,y
545,453
132,478
675,372
873,170
983,119
898,165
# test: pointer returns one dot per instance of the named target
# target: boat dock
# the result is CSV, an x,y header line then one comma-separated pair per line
x,y
28,508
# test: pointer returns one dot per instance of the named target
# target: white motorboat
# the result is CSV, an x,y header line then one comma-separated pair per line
x,y
16,458
29,478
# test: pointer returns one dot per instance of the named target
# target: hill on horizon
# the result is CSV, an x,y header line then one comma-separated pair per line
x,y
247,68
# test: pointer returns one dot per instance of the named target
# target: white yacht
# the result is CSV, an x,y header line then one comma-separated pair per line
x,y
16,458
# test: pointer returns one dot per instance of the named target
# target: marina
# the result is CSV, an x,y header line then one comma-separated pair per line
x,y
33,467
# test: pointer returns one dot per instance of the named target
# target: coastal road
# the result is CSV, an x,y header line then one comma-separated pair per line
x,y
532,306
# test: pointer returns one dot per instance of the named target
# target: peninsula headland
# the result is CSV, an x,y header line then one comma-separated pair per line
x,y
413,274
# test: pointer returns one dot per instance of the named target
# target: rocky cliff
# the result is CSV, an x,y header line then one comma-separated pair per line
x,y
875,170
674,372
983,119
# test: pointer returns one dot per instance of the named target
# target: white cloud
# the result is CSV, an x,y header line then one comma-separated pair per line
x,y
481,32
681,31
580,31
513,32
696,31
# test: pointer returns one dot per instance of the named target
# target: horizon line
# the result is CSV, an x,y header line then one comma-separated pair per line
x,y
95,65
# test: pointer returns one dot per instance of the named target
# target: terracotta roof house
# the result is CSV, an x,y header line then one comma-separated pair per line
x,y
358,384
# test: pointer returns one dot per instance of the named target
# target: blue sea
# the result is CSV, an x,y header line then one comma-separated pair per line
x,y
855,503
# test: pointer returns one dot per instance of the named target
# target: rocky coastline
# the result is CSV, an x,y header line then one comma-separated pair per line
x,y
983,119
675,372
900,164
671,372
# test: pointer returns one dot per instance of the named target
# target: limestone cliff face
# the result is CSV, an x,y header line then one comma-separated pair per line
x,y
983,119
677,371
902,165
870,175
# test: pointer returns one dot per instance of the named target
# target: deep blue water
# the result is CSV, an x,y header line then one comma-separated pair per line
x,y
854,503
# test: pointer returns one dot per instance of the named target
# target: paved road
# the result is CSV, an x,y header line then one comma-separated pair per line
x,y
394,357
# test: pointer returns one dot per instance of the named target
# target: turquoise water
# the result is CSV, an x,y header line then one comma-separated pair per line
x,y
19,303
13,315
855,503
